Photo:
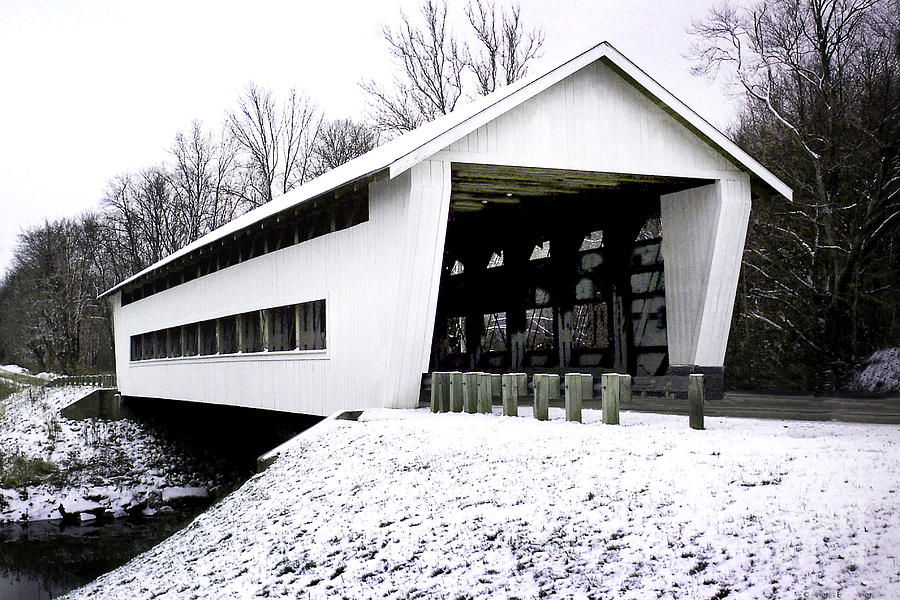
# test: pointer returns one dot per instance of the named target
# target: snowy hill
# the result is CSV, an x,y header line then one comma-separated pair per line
x,y
408,504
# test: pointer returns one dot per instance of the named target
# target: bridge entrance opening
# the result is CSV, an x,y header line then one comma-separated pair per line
x,y
548,270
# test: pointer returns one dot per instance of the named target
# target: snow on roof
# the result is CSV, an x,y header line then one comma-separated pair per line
x,y
402,153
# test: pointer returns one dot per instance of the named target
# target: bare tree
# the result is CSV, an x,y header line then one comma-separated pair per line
x,y
277,143
49,297
504,46
436,68
430,79
340,141
207,189
820,79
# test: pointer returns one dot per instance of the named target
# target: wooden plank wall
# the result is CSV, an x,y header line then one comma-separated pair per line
x,y
354,270
380,278
596,121
703,241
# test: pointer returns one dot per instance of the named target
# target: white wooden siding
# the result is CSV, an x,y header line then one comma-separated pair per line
x,y
356,270
380,278
703,241
595,121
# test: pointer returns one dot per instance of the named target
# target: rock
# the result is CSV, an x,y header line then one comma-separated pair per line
x,y
184,494
75,506
136,509
77,510
166,509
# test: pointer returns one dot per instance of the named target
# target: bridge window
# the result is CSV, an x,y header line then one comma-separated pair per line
x,y
190,339
251,332
288,328
208,338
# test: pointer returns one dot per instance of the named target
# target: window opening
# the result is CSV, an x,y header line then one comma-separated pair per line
x,y
539,334
541,251
592,241
228,335
591,325
493,336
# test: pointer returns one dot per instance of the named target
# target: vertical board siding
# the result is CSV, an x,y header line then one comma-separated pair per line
x,y
417,284
689,223
725,266
597,121
703,242
352,269
380,279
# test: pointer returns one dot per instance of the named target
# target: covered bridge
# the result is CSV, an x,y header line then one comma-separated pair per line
x,y
580,220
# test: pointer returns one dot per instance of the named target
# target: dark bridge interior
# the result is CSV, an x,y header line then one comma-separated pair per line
x,y
553,271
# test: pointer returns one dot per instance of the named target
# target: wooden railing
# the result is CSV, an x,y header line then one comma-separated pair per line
x,y
107,380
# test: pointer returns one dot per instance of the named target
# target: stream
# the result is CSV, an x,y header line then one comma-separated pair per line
x,y
45,559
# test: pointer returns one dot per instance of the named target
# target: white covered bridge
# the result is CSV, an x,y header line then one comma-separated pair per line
x,y
581,220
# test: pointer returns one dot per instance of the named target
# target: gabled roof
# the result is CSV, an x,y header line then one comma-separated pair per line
x,y
400,154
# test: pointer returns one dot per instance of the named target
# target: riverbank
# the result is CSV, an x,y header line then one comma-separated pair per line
x,y
410,504
90,468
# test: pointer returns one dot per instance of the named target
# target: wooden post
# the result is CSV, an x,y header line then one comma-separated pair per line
x,y
510,395
484,393
297,323
220,336
470,392
554,387
496,386
574,391
456,391
610,398
624,388
264,330
542,383
521,386
587,387
438,380
695,396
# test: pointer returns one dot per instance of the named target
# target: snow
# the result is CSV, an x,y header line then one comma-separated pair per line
x,y
14,369
77,504
881,373
410,504
174,494
114,464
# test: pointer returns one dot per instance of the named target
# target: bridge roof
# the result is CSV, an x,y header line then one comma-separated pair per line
x,y
403,152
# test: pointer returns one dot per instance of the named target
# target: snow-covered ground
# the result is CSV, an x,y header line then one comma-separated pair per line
x,y
407,504
94,464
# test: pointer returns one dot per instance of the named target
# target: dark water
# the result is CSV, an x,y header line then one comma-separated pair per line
x,y
43,559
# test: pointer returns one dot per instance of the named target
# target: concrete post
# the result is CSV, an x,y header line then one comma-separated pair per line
x,y
510,395
470,392
484,393
456,391
574,392
542,383
695,396
609,395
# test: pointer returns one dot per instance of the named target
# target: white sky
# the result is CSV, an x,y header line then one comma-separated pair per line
x,y
92,88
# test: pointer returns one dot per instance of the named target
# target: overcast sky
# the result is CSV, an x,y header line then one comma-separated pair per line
x,y
93,88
